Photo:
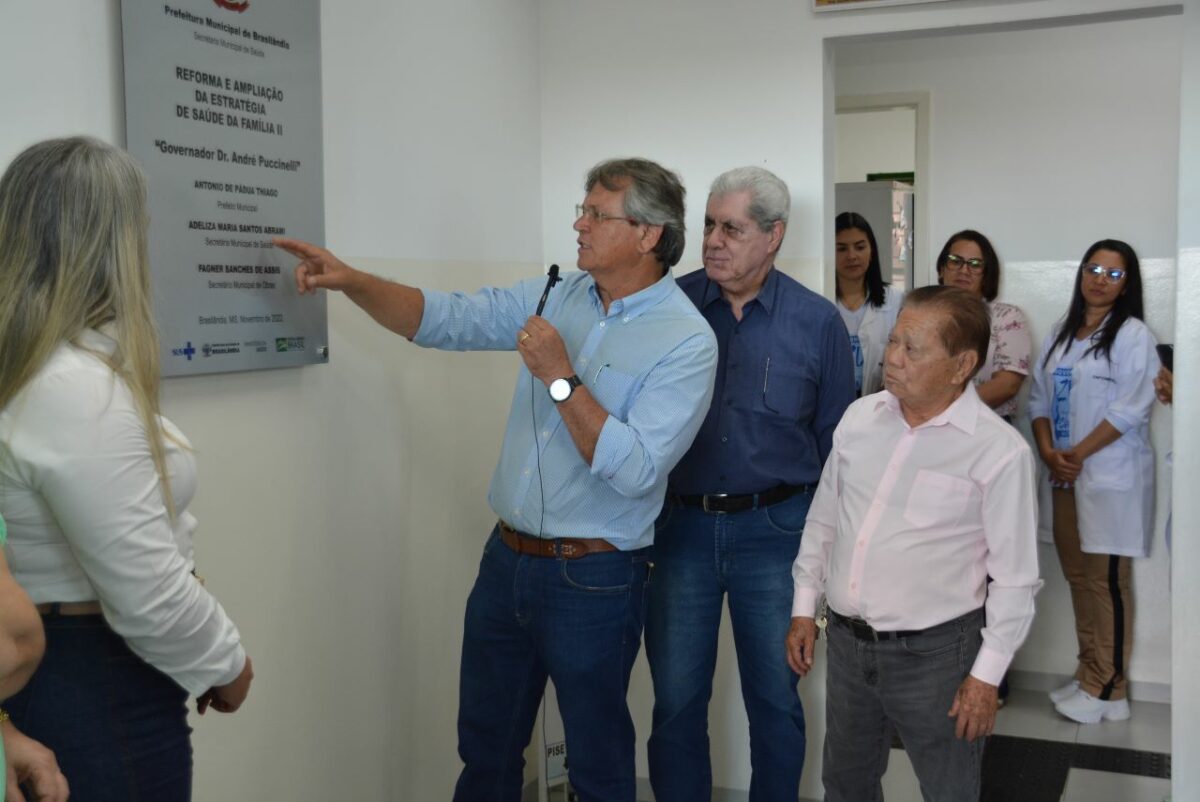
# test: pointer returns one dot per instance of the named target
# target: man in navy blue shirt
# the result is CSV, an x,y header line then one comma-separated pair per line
x,y
737,501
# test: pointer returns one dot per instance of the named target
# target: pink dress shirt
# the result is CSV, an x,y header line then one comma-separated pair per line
x,y
907,524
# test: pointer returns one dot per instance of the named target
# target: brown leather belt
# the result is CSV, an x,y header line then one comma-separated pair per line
x,y
569,548
70,608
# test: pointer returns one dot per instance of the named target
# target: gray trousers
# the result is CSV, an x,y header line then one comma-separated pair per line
x,y
908,684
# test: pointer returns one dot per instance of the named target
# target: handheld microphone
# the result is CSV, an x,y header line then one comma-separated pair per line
x,y
554,279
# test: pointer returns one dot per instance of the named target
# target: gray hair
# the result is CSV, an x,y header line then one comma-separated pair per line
x,y
770,201
653,196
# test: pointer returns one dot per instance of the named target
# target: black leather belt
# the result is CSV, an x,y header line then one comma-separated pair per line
x,y
864,631
725,502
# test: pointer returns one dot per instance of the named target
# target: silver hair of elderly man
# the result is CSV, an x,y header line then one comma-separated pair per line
x,y
770,201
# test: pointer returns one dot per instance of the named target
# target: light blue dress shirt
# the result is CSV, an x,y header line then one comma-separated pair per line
x,y
650,361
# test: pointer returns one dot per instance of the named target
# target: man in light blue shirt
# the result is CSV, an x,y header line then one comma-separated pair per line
x,y
617,376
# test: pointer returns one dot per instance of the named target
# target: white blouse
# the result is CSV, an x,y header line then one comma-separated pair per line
x,y
87,521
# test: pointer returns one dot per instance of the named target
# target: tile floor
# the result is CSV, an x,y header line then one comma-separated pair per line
x,y
1029,714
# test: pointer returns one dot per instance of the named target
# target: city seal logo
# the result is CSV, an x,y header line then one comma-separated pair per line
x,y
233,5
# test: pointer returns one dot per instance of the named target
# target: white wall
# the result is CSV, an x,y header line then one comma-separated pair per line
x,y
343,507
1185,590
1047,140
882,141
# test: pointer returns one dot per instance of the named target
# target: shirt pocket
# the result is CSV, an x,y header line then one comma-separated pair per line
x,y
614,391
1110,468
787,391
936,499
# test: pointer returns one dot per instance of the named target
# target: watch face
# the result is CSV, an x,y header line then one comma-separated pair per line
x,y
560,389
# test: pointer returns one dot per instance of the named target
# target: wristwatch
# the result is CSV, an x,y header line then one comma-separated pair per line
x,y
560,389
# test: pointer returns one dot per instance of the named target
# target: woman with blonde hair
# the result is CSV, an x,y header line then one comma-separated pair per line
x,y
95,484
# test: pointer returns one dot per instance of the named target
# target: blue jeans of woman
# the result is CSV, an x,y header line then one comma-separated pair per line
x,y
117,725
700,557
578,622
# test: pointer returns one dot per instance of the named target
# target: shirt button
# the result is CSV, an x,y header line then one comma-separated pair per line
x,y
517,511
527,471
861,543
853,586
724,439
625,319
583,360
545,434
601,324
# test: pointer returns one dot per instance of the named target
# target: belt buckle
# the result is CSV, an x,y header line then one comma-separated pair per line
x,y
861,626
704,502
567,549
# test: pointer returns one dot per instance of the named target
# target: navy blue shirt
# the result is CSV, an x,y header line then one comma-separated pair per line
x,y
785,375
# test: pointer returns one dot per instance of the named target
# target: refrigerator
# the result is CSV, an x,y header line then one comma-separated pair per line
x,y
888,207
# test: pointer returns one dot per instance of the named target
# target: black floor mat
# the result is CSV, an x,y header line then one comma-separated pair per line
x,y
1032,770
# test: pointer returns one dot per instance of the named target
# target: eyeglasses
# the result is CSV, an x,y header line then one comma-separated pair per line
x,y
958,263
594,215
728,229
1113,274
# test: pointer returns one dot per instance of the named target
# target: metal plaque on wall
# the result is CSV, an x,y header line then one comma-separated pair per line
x,y
223,111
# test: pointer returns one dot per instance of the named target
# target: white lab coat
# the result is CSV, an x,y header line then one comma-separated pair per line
x,y
873,334
1114,495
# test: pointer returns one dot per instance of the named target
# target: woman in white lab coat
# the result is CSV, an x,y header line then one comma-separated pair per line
x,y
868,306
1091,400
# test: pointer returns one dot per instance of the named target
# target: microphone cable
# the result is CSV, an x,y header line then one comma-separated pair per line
x,y
537,446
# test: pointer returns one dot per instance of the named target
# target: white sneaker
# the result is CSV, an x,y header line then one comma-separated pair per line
x,y
1065,692
1087,709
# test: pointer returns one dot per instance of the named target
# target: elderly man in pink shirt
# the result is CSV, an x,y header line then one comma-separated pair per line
x,y
926,493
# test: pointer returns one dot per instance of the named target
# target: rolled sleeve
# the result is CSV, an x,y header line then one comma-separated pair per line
x,y
486,320
1013,343
635,456
1136,366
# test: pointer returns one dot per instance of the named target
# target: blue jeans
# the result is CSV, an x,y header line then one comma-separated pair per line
x,y
579,622
117,725
909,684
699,557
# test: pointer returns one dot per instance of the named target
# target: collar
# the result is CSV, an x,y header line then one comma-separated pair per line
x,y
766,293
962,414
632,306
102,340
